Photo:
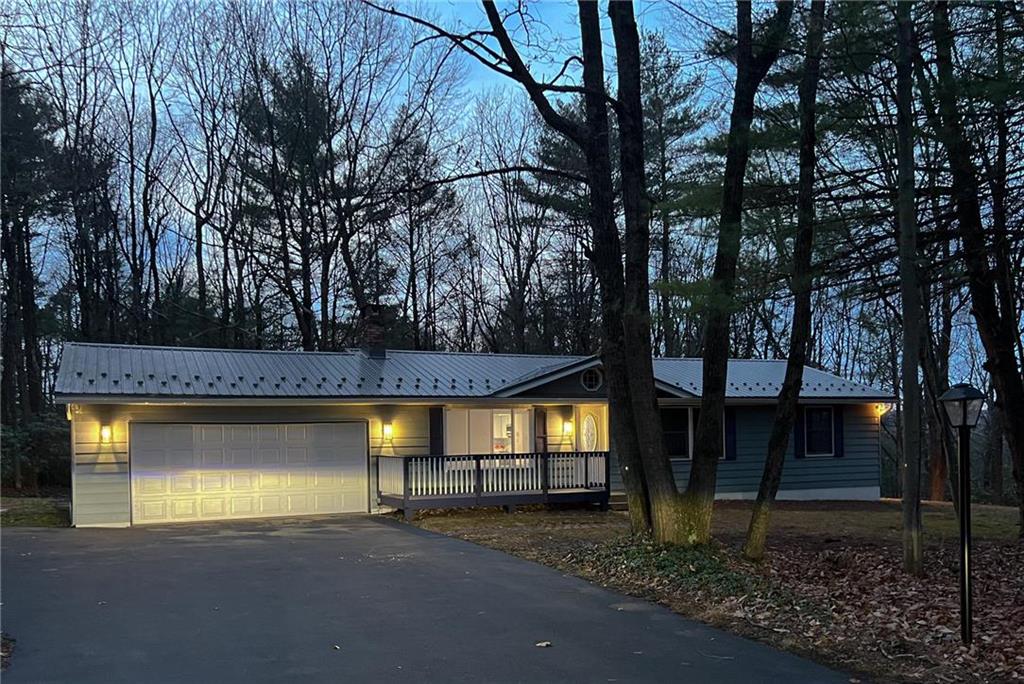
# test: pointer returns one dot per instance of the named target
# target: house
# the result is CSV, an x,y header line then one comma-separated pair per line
x,y
163,434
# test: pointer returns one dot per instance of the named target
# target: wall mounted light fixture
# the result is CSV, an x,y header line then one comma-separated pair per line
x,y
567,428
387,431
105,434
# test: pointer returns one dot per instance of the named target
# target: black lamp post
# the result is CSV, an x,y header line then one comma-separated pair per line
x,y
963,408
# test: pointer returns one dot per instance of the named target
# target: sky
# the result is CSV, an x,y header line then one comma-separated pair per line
x,y
552,35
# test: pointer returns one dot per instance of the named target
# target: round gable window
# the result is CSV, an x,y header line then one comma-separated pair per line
x,y
591,379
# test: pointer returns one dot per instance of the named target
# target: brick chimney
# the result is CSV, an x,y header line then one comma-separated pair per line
x,y
371,331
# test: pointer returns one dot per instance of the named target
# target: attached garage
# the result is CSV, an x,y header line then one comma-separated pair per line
x,y
191,472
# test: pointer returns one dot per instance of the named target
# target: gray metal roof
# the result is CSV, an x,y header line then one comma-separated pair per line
x,y
762,379
109,370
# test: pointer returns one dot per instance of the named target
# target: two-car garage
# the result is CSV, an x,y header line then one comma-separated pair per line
x,y
191,472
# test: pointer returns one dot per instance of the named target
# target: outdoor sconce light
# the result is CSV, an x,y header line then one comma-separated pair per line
x,y
567,428
105,433
387,431
963,408
882,409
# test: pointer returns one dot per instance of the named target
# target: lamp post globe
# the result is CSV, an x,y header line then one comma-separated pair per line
x,y
962,404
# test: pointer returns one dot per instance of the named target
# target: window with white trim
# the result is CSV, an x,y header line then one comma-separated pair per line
x,y
678,427
819,431
488,431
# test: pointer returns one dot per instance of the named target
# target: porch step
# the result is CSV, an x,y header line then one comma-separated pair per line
x,y
617,501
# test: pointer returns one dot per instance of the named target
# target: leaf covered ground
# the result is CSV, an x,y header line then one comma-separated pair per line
x,y
30,511
831,588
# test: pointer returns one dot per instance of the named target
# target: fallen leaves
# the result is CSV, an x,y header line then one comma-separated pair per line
x,y
847,603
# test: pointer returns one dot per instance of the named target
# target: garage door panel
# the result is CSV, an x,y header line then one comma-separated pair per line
x,y
269,456
210,472
214,507
152,484
153,511
213,457
174,457
215,482
246,456
270,505
242,481
241,433
211,434
183,484
296,455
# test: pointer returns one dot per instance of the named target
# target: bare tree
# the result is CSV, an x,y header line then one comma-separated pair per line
x,y
752,67
786,411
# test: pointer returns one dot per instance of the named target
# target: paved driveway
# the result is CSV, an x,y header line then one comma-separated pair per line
x,y
271,601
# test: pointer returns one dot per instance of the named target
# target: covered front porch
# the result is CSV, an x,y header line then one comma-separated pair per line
x,y
412,483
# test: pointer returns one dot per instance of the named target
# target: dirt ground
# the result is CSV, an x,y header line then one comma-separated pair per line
x,y
831,588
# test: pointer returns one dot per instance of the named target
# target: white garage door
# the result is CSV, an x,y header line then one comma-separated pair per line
x,y
187,473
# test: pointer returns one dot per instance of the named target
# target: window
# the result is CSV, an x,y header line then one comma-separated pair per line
x,y
488,431
591,379
679,427
588,433
675,426
502,434
818,426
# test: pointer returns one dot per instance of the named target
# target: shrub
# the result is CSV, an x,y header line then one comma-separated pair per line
x,y
44,448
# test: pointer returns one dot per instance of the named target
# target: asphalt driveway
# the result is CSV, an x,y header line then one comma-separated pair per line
x,y
344,599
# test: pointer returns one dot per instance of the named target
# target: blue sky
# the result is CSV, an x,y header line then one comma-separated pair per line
x,y
553,33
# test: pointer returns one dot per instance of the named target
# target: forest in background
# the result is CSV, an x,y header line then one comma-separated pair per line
x,y
268,175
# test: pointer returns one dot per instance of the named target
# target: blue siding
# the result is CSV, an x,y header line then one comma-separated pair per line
x,y
858,467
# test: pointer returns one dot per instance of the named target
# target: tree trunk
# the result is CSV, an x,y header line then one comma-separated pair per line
x,y
661,485
994,456
786,410
750,71
607,258
995,315
202,304
910,291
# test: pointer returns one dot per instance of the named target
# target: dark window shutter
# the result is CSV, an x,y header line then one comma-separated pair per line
x,y
436,430
837,431
799,436
540,430
730,433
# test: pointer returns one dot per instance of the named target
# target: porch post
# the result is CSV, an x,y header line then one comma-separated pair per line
x,y
544,479
406,490
478,484
607,496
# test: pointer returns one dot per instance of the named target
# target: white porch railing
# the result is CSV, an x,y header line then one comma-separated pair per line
x,y
414,482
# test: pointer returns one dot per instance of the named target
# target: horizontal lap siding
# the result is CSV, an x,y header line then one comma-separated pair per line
x,y
101,475
858,467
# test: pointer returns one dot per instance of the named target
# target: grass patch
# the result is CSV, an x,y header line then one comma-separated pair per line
x,y
683,569
34,512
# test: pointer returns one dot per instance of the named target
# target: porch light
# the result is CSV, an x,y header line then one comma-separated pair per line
x,y
882,409
387,431
963,405
105,433
567,428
